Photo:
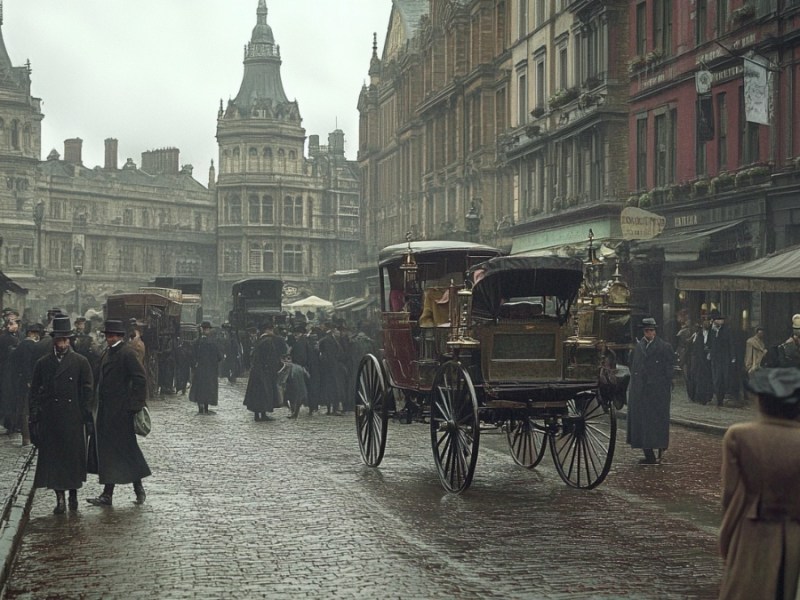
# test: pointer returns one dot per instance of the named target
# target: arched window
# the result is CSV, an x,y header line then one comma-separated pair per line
x,y
293,211
26,137
236,166
310,212
252,161
254,209
233,208
225,167
267,210
292,155
267,153
292,258
14,135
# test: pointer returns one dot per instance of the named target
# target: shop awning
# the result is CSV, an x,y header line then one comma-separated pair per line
x,y
8,285
774,273
354,304
686,243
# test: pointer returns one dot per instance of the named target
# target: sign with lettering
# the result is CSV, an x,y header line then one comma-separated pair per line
x,y
756,91
640,224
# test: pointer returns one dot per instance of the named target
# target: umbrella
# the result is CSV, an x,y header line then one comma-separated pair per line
x,y
312,302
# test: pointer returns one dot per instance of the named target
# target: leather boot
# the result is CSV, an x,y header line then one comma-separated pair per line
x,y
104,499
138,489
61,505
73,500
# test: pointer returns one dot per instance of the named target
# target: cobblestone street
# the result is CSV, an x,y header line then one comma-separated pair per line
x,y
286,509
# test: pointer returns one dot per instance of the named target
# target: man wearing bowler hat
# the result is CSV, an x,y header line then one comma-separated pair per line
x,y
121,391
650,394
60,409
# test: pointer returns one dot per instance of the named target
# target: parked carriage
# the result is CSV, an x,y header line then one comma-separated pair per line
x,y
158,312
497,349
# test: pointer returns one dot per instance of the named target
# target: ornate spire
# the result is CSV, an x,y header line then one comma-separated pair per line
x,y
261,83
375,62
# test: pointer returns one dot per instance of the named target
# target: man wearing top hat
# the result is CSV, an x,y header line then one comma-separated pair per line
x,y
206,357
121,391
650,393
723,358
60,396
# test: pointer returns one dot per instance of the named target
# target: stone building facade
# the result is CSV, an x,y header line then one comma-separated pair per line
x,y
436,101
281,215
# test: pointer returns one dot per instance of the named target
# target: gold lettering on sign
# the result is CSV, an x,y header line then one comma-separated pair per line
x,y
685,221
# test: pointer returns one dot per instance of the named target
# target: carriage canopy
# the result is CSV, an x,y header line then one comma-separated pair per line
x,y
500,279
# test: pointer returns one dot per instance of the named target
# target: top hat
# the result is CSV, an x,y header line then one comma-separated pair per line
x,y
114,327
62,328
649,323
715,314
205,325
783,383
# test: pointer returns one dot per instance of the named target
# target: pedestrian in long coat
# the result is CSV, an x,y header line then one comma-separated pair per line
x,y
60,409
183,365
261,396
723,358
650,393
8,342
205,383
121,392
700,386
23,360
333,370
760,531
305,352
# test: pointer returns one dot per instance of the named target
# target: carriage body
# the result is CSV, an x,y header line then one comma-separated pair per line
x,y
496,349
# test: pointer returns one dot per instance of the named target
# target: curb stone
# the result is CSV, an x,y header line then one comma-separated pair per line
x,y
14,518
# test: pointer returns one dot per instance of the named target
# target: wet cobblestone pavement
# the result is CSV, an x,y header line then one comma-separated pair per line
x,y
286,509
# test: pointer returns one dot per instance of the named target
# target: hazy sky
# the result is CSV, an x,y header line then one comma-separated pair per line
x,y
151,73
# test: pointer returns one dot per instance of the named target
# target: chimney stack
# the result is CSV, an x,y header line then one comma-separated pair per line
x,y
111,154
73,149
313,146
164,161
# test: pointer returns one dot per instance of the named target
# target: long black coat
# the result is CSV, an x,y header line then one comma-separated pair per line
x,y
60,403
723,357
699,385
19,371
262,385
121,391
649,395
8,341
333,360
205,383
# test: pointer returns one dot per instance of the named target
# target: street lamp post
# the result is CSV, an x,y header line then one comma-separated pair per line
x,y
77,266
472,223
38,218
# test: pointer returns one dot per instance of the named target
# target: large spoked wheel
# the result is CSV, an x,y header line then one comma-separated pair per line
x,y
527,441
455,427
372,414
583,447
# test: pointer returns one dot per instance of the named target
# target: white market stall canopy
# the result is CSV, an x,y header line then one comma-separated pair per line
x,y
310,303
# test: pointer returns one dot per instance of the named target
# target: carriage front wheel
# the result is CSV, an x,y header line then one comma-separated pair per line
x,y
455,426
372,411
527,441
583,445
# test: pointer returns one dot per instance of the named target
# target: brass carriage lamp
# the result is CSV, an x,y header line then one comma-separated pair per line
x,y
409,265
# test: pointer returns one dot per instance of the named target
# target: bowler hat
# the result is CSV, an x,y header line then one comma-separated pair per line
x,y
35,327
649,323
62,328
205,325
783,383
114,327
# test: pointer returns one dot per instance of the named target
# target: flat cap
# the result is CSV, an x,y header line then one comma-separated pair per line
x,y
783,383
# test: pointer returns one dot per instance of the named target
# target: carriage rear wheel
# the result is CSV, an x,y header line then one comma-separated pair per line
x,y
371,408
583,447
455,426
527,441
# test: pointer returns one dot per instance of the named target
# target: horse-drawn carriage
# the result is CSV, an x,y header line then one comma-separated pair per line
x,y
496,349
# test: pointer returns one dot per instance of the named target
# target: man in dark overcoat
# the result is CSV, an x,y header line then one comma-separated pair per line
x,y
9,339
723,358
333,370
650,393
184,354
206,358
60,408
121,392
262,395
700,386
22,361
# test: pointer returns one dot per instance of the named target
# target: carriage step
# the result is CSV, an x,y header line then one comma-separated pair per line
x,y
505,404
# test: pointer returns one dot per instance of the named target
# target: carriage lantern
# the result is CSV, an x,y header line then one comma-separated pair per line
x,y
409,266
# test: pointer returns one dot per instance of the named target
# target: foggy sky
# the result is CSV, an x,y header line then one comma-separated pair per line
x,y
151,73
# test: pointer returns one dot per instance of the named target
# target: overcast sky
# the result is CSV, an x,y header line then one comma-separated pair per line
x,y
151,73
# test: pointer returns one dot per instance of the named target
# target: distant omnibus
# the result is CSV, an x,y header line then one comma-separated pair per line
x,y
253,300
